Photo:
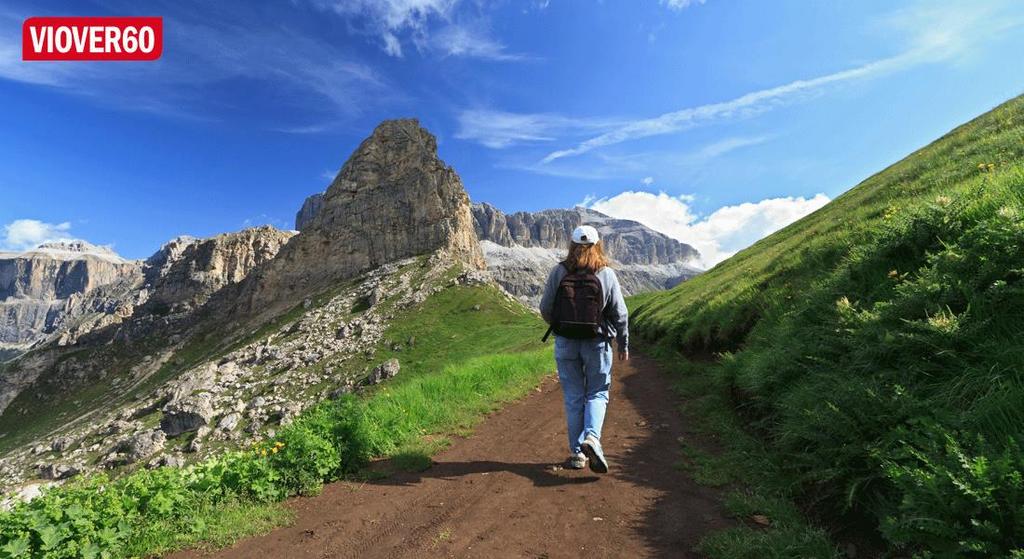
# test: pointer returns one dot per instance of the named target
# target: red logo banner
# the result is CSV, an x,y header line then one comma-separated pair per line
x,y
92,38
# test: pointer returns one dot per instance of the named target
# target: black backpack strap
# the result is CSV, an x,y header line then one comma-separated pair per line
x,y
546,334
558,288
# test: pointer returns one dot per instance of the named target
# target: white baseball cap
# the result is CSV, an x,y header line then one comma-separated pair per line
x,y
585,235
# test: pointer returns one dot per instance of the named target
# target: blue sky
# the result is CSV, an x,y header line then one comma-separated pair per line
x,y
715,122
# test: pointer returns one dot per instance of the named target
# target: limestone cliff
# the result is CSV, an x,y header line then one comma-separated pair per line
x,y
521,248
394,198
185,272
310,207
92,294
39,287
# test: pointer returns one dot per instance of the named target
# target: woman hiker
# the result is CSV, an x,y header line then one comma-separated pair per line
x,y
583,305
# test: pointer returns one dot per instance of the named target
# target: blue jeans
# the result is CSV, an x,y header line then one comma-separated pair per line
x,y
585,373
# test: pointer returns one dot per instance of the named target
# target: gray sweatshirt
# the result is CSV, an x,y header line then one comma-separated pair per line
x,y
616,317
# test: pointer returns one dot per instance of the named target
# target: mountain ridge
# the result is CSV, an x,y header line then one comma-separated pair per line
x,y
522,247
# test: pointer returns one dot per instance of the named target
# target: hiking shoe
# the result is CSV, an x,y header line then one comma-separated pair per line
x,y
595,456
577,461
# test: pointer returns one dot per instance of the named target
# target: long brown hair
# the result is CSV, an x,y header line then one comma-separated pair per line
x,y
586,257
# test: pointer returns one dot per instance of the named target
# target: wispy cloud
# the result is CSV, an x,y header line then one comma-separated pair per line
x,y
934,35
437,26
385,19
745,105
264,219
470,41
290,60
199,58
680,4
500,129
722,147
600,166
582,171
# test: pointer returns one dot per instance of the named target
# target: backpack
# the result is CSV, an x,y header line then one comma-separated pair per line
x,y
579,306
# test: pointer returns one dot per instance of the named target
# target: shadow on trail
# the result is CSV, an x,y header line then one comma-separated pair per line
x,y
643,448
648,453
542,475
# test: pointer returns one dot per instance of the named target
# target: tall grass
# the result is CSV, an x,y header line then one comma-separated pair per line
x,y
877,345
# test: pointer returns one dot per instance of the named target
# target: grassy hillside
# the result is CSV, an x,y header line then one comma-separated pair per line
x,y
465,350
877,345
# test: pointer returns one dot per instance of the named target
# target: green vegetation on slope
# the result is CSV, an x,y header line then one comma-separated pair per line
x,y
456,369
771,526
876,345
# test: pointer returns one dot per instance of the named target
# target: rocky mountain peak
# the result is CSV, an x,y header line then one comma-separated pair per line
x,y
392,199
520,249
37,286
626,241
68,249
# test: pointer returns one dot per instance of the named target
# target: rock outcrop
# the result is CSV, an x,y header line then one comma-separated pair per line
x,y
521,248
134,299
394,198
43,289
185,272
385,371
310,207
66,290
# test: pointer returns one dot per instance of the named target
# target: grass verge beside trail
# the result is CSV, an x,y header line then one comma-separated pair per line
x,y
236,494
772,525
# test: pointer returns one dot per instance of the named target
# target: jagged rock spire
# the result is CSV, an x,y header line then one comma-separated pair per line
x,y
393,198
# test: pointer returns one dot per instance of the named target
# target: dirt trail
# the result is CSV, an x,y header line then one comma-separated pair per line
x,y
499,494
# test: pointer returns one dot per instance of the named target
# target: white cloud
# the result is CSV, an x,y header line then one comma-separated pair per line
x,y
500,129
680,4
718,235
25,234
930,33
647,181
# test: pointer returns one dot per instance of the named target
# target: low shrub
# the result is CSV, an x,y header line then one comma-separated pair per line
x,y
958,498
303,459
917,332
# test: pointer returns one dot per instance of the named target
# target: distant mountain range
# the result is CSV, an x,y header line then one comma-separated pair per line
x,y
521,248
